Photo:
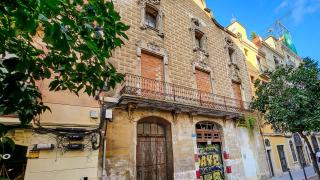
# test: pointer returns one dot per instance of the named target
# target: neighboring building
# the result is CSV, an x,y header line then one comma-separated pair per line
x,y
52,153
283,151
62,144
185,91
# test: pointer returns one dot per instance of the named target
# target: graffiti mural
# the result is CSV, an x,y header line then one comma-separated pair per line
x,y
210,162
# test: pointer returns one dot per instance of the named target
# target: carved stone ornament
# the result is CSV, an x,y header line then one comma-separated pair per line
x,y
229,42
155,2
234,73
197,28
153,48
202,66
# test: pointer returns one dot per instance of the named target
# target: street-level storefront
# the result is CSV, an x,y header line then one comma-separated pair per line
x,y
209,149
151,144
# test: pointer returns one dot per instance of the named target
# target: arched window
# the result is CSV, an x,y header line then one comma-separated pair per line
x,y
208,131
294,156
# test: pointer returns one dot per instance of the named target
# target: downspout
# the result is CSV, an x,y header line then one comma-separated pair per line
x,y
104,148
265,151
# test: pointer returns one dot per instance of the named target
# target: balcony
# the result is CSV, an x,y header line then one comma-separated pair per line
x,y
167,96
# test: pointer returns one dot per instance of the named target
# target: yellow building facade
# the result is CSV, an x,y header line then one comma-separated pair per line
x,y
283,151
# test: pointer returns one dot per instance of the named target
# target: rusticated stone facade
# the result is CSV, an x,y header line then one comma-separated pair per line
x,y
187,40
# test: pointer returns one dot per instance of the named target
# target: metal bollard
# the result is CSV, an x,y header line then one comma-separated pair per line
x,y
304,172
290,174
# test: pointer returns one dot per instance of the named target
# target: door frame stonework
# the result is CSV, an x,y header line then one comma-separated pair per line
x,y
168,135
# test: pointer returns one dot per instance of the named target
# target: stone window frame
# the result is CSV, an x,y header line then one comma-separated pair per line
x,y
155,5
234,70
197,28
196,65
154,49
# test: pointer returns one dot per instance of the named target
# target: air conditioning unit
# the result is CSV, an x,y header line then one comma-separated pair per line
x,y
43,147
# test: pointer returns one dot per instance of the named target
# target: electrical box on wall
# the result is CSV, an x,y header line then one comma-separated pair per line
x,y
43,147
108,114
94,114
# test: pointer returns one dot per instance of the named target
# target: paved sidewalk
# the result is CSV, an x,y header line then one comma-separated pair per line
x,y
298,175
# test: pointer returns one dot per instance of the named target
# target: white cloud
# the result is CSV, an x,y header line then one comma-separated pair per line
x,y
298,8
282,5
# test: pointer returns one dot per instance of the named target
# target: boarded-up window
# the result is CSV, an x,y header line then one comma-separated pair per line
x,y
151,66
152,72
203,81
237,94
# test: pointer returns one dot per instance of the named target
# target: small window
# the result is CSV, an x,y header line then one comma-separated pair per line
x,y
259,64
252,79
151,17
276,61
231,55
199,40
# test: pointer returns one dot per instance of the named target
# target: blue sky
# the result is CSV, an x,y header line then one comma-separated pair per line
x,y
301,18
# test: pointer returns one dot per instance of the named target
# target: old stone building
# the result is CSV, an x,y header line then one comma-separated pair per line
x,y
177,114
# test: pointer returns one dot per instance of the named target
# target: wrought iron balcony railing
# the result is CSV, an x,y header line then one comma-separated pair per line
x,y
142,87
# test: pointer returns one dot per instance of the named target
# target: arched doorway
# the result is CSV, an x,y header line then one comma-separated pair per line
x,y
299,147
154,149
209,142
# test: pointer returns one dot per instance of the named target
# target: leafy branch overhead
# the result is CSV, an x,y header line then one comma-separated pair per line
x,y
66,41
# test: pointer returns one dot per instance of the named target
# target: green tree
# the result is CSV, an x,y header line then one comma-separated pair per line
x,y
253,35
290,101
68,41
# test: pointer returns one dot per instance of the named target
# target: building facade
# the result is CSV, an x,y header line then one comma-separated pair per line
x,y
283,151
177,114
66,144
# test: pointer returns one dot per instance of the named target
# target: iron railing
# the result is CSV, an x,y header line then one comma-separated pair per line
x,y
138,86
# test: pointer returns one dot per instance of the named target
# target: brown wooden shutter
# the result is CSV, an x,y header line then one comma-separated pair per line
x,y
203,81
151,67
152,76
237,94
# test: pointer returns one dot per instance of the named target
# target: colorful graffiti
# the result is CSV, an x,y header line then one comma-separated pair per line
x,y
210,162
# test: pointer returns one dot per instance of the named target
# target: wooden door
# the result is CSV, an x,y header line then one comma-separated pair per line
x,y
151,152
152,75
282,158
237,94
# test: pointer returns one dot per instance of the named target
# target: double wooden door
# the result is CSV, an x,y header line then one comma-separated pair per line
x,y
151,152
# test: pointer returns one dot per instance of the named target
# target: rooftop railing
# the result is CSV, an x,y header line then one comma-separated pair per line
x,y
138,86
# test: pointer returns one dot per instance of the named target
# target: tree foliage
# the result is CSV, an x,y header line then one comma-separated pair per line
x,y
67,41
290,100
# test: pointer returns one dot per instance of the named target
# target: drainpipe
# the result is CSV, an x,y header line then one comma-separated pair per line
x,y
104,154
265,150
